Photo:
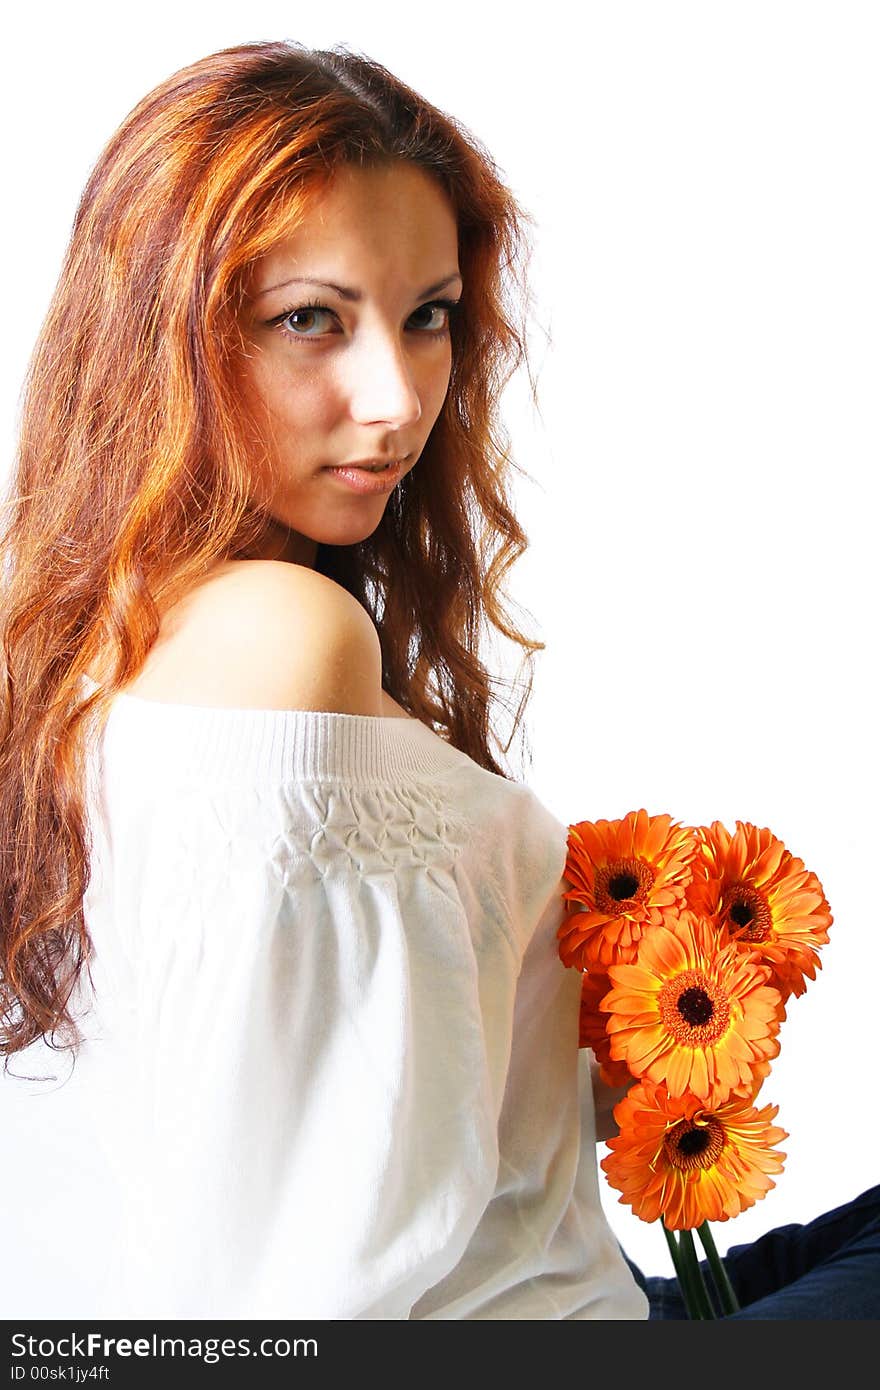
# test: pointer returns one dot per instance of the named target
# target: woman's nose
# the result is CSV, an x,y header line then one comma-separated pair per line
x,y
382,384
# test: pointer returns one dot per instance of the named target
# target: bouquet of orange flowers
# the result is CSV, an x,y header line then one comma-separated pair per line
x,y
691,941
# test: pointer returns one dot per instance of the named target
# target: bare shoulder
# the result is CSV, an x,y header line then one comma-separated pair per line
x,y
266,634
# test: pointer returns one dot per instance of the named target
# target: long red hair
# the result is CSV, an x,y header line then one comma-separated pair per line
x,y
132,478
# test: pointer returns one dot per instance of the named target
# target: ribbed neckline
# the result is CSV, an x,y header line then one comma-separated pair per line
x,y
197,741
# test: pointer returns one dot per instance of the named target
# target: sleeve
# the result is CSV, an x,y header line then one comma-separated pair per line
x,y
543,1248
309,1123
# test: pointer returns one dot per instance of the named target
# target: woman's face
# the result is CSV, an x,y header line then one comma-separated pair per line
x,y
363,376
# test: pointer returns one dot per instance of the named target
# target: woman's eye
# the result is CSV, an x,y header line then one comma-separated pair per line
x,y
307,311
441,307
304,317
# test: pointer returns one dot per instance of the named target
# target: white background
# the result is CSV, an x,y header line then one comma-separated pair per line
x,y
703,515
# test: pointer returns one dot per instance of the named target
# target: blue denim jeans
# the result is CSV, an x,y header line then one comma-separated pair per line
x,y
828,1269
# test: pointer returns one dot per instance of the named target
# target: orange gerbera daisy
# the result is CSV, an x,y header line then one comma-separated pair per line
x,y
687,1163
627,875
693,1012
752,886
593,1030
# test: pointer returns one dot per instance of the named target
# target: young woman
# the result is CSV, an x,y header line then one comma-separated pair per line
x,y
262,874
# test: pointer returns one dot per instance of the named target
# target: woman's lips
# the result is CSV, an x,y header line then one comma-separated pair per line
x,y
365,480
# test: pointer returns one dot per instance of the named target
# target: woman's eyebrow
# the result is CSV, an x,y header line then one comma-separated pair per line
x,y
352,295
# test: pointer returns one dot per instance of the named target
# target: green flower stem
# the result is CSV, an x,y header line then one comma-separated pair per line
x,y
728,1298
685,1282
673,1249
691,1264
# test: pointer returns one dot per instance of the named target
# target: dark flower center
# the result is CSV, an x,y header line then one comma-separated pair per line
x,y
623,886
694,1009
747,912
693,1141
695,1006
691,1147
